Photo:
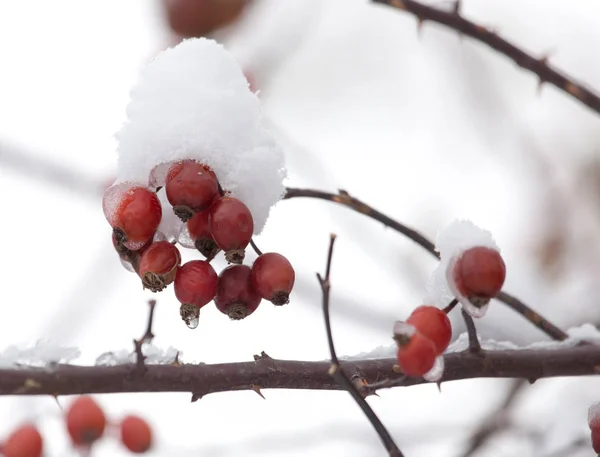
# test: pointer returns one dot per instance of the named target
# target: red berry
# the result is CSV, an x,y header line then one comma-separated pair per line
x,y
25,441
236,295
85,421
134,212
231,226
196,283
191,187
416,355
136,434
479,274
158,265
199,230
432,323
273,277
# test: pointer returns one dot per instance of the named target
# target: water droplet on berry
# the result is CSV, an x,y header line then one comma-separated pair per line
x,y
112,199
437,371
190,315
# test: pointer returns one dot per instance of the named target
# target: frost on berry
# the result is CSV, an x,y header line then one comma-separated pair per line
x,y
273,277
236,295
136,434
452,242
193,102
25,441
158,265
133,211
85,421
231,226
195,283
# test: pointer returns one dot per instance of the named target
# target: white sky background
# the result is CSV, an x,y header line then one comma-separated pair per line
x,y
426,130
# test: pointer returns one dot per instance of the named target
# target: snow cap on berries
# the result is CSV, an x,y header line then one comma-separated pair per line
x,y
193,102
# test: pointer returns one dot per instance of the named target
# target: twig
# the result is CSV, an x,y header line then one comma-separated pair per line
x,y
147,337
336,371
474,345
539,66
255,247
582,360
343,198
450,306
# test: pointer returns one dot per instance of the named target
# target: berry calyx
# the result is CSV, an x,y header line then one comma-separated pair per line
x,y
190,187
433,323
85,421
134,212
479,274
199,230
236,295
196,283
273,277
416,353
158,265
25,441
231,225
136,434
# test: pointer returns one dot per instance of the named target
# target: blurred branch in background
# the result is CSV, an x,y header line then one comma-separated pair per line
x,y
539,66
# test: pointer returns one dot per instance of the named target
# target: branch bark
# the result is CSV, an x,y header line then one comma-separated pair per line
x,y
539,66
203,379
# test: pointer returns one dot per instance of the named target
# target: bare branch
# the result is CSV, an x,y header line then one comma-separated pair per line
x,y
474,345
539,66
203,379
255,247
337,372
343,198
147,337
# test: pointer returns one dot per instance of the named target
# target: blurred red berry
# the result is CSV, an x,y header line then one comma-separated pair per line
x,y
416,354
236,295
198,18
25,441
479,274
158,265
85,421
432,323
134,213
199,230
231,225
273,277
136,434
196,283
190,187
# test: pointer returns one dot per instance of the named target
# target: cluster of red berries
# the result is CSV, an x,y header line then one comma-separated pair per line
x,y
478,274
215,222
86,424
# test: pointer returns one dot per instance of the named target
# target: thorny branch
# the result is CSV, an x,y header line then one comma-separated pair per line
x,y
337,372
269,373
147,337
344,198
539,66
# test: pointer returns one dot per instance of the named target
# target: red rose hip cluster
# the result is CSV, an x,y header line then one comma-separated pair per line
x,y
86,424
215,222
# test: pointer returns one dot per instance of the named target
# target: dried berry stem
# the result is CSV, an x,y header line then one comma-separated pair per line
x,y
343,198
337,372
255,247
539,66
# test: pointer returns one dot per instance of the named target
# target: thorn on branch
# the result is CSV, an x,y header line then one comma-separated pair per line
x,y
336,371
256,388
263,356
474,345
139,356
147,337
196,396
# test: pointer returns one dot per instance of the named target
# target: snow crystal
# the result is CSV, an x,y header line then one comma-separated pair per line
x,y
41,354
594,415
193,101
153,354
451,242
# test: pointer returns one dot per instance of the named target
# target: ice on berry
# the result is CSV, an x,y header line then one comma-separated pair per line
x,y
185,239
113,196
127,265
170,225
437,371
451,242
193,102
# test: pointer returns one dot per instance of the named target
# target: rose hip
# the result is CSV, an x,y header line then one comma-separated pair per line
x,y
236,295
433,323
273,277
136,434
231,225
199,230
479,274
85,421
158,265
196,283
190,187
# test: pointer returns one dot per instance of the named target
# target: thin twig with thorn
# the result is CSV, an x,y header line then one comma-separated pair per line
x,y
338,374
147,337
343,198
255,247
474,345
